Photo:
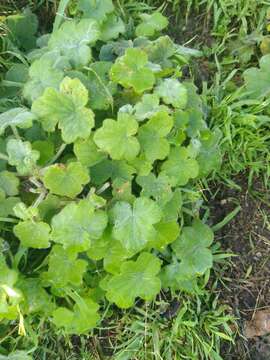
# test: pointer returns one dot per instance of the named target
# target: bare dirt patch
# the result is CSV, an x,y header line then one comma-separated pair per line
x,y
247,280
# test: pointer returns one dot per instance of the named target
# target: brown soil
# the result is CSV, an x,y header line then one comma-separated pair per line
x,y
247,280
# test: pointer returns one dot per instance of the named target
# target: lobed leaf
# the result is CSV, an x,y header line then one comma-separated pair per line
x,y
66,180
151,24
192,248
21,155
33,234
133,225
173,93
131,71
136,279
67,109
152,136
77,225
73,38
180,166
117,137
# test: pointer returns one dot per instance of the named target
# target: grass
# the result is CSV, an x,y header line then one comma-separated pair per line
x,y
195,332
246,136
186,328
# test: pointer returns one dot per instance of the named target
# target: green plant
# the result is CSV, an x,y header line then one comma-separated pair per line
x,y
97,162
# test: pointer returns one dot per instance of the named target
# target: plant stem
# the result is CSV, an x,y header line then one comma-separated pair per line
x,y
3,219
3,157
58,154
60,14
39,199
15,132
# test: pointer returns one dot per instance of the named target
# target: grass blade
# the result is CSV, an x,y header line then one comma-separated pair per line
x,y
227,219
60,14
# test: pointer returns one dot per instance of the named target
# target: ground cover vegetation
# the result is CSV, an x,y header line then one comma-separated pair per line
x,y
110,132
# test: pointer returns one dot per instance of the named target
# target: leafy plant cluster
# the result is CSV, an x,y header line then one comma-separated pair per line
x,y
99,158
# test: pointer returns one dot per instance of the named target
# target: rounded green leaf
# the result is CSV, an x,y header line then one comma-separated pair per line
x,y
173,93
16,117
100,247
130,70
111,28
7,276
117,137
87,152
166,233
136,279
45,149
80,320
72,40
173,208
96,9
133,225
156,187
210,156
33,234
35,298
21,155
172,277
152,136
101,88
9,183
151,24
77,224
192,248
161,51
257,80
64,268
147,107
180,167
42,75
22,28
67,109
66,180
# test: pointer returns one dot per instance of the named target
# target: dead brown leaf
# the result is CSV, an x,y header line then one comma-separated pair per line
x,y
259,325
